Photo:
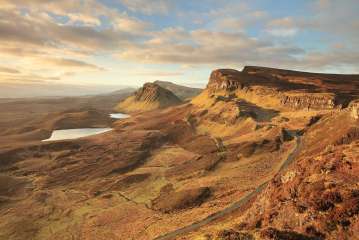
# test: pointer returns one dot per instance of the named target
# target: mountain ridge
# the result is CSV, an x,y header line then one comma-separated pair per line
x,y
288,88
181,91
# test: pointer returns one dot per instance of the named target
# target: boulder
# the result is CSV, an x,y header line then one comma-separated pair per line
x,y
354,108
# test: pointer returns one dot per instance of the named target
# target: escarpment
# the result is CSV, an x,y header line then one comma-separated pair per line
x,y
260,112
292,89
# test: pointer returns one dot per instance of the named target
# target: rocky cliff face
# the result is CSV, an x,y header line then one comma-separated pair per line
x,y
151,92
310,101
225,79
151,96
292,89
354,108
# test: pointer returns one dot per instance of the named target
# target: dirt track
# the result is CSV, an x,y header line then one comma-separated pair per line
x,y
234,206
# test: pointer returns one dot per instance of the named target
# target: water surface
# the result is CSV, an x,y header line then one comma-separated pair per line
x,y
119,115
75,133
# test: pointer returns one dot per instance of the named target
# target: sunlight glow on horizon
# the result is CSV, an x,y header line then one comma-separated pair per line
x,y
130,42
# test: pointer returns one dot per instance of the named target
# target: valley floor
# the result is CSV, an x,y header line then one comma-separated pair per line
x,y
217,167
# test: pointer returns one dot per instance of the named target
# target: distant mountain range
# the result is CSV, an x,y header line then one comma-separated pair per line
x,y
180,91
32,90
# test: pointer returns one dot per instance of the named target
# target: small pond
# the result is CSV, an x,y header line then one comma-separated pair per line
x,y
76,133
119,115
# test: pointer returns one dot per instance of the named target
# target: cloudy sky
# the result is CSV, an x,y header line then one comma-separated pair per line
x,y
129,42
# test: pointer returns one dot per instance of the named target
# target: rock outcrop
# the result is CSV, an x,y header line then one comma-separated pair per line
x,y
292,89
225,79
354,108
317,199
151,92
151,96
310,101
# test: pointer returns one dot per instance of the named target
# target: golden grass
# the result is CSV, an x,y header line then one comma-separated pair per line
x,y
130,105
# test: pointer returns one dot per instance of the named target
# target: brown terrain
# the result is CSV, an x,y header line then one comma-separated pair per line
x,y
259,154
31,119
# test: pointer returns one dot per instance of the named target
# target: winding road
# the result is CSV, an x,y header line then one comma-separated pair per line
x,y
236,205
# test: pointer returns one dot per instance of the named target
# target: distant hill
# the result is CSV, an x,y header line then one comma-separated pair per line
x,y
121,92
47,90
29,119
151,96
108,101
182,92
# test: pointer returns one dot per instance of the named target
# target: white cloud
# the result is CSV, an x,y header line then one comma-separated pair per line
x,y
31,34
131,25
208,47
231,23
336,18
85,19
282,27
149,7
283,32
8,70
72,64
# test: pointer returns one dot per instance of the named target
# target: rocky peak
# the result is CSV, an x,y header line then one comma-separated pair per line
x,y
151,92
151,96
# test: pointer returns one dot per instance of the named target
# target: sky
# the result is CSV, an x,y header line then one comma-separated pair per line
x,y
113,43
